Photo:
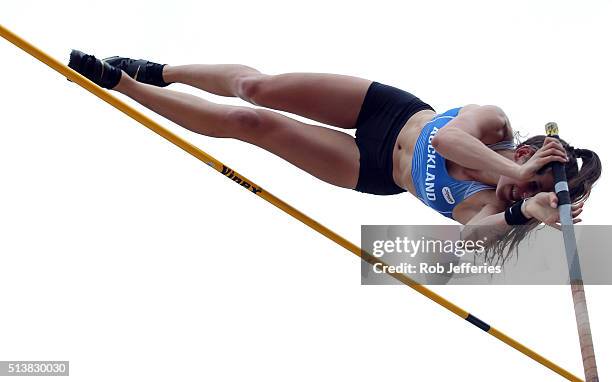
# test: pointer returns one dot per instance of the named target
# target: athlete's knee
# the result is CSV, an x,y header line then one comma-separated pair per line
x,y
232,122
243,118
251,87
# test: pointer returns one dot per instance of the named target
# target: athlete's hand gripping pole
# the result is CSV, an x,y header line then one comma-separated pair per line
x,y
573,262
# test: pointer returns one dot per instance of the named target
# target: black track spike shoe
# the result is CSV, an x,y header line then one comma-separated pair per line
x,y
101,73
143,71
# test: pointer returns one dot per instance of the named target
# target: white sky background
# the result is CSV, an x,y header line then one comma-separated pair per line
x,y
134,261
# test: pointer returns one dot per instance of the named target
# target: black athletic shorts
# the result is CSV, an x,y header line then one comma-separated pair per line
x,y
384,112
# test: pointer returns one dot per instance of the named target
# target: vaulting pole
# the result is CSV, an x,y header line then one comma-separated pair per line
x,y
573,263
255,189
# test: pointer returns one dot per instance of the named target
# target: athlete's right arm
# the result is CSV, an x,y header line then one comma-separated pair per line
x,y
463,140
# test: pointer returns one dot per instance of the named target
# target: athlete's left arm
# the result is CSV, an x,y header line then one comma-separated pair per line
x,y
486,222
487,214
490,220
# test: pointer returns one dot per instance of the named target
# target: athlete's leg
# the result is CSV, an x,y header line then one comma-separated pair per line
x,y
328,154
327,98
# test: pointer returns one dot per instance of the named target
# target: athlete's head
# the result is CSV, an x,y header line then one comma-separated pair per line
x,y
580,179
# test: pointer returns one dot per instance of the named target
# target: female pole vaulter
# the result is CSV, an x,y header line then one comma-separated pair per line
x,y
462,163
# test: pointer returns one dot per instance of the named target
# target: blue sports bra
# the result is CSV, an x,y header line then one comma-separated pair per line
x,y
434,186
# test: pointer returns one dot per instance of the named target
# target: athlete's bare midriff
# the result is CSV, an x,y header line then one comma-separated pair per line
x,y
404,149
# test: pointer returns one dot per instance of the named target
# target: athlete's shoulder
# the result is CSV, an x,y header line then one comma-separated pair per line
x,y
468,108
491,110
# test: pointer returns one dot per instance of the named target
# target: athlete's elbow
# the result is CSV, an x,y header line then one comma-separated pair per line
x,y
436,142
442,139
